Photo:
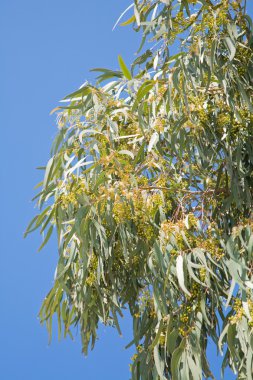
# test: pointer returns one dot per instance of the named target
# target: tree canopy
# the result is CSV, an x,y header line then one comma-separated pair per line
x,y
149,187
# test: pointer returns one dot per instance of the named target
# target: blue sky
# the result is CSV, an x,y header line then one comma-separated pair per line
x,y
47,50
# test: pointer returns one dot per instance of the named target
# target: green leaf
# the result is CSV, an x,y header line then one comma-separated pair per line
x,y
48,172
172,340
153,141
124,68
142,92
175,360
231,47
83,91
180,274
30,226
231,336
127,152
158,334
47,237
129,21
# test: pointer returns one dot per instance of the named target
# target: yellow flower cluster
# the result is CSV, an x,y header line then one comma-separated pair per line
x,y
250,303
213,21
194,127
212,246
223,120
145,300
195,291
67,199
132,129
90,280
118,258
184,331
235,5
196,105
239,312
161,91
202,274
169,230
72,191
76,147
133,358
113,103
184,318
139,348
139,207
222,15
121,211
159,124
102,143
162,339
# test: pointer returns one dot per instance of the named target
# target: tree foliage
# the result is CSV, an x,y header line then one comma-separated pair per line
x,y
149,187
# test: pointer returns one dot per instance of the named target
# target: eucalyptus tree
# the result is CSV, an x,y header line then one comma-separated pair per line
x,y
149,187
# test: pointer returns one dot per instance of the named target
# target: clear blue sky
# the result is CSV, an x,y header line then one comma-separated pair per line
x,y
47,48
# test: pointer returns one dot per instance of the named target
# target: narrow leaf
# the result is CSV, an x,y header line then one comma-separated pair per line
x,y
124,68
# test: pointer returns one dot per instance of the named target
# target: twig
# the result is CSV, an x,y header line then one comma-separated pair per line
x,y
190,192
